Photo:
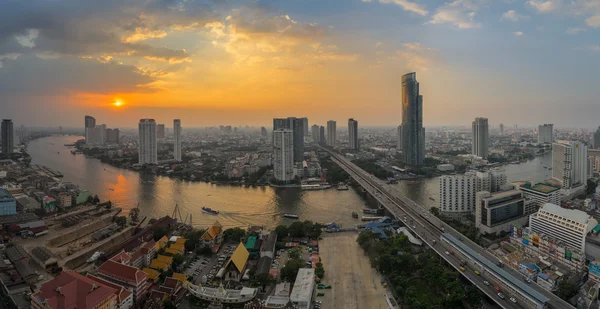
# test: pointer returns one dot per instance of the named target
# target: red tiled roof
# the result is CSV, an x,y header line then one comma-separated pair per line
x,y
122,257
72,290
148,246
123,272
120,292
171,282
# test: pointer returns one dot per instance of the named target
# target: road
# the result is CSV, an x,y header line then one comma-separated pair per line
x,y
429,228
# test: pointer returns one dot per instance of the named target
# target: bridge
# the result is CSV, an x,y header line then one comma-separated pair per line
x,y
504,285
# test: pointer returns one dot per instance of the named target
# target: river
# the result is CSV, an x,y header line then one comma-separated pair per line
x,y
238,206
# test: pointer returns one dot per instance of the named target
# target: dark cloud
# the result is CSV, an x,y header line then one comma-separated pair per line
x,y
30,75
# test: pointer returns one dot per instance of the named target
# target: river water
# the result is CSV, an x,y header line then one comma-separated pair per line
x,y
238,206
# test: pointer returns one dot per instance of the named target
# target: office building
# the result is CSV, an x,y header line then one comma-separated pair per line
x,y
160,131
297,127
177,140
567,226
352,134
8,204
399,138
538,195
71,290
569,166
545,133
8,137
112,136
305,126
331,133
501,129
413,133
321,135
491,181
596,140
496,212
147,148
283,155
457,194
263,132
90,122
480,137
316,134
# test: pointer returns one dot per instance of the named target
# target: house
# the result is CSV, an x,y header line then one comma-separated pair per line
x,y
235,267
123,296
159,265
46,259
72,290
213,236
126,276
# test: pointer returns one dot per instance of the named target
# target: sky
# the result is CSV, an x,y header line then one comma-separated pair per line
x,y
215,62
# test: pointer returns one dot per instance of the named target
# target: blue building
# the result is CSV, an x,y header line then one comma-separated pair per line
x,y
8,204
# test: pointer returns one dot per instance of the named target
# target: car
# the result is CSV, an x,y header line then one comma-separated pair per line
x,y
512,299
486,283
451,252
447,253
477,272
462,268
527,280
501,295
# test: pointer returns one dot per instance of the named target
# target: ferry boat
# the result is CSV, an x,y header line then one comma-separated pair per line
x,y
342,187
369,211
321,186
366,218
94,257
210,211
291,216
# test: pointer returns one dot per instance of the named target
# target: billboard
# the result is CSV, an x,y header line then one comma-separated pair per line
x,y
512,231
536,241
525,241
519,232
595,269
568,254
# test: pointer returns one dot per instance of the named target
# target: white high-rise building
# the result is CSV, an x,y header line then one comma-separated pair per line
x,y
567,226
331,133
480,137
283,154
569,165
315,133
147,147
545,133
457,193
177,140
90,122
538,195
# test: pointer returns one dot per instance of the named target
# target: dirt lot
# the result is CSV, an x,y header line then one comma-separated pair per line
x,y
355,285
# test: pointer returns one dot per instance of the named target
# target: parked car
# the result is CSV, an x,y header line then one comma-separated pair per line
x,y
512,299
501,295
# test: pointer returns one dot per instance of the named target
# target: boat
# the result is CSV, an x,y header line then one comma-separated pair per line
x,y
549,168
342,187
431,198
210,211
291,216
367,218
94,257
369,211
321,186
355,215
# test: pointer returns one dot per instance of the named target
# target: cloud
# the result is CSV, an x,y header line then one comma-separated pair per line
x,y
593,21
406,5
575,30
460,13
545,6
513,16
28,39
518,33
141,34
417,56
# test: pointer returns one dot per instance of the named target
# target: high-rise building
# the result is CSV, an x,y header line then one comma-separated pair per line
x,y
331,133
283,154
263,132
567,226
315,133
112,136
160,131
537,195
177,140
8,137
321,135
90,122
545,133
399,138
496,212
352,134
297,127
97,135
596,140
147,148
413,133
569,165
457,194
480,137
305,126
501,129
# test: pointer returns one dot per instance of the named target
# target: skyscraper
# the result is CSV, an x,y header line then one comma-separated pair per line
x,y
112,136
413,133
147,148
321,135
8,137
352,134
97,135
90,122
283,154
480,137
545,133
305,126
399,138
177,140
569,164
297,127
315,133
597,139
331,133
501,129
160,131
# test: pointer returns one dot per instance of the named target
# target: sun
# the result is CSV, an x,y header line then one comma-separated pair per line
x,y
118,103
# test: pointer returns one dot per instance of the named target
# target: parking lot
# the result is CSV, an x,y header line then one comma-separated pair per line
x,y
209,267
348,270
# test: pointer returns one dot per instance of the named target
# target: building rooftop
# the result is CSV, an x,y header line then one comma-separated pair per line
x,y
121,271
72,290
42,254
573,214
250,242
5,194
239,258
304,285
16,253
121,292
541,187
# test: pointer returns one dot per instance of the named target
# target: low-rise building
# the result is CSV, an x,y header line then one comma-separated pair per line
x,y
71,290
8,204
126,276
496,212
236,265
304,286
213,236
123,296
537,195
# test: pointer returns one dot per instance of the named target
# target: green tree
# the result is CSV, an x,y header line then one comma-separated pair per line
x,y
235,234
167,304
121,221
178,259
282,232
295,253
290,270
591,187
566,290
261,280
434,211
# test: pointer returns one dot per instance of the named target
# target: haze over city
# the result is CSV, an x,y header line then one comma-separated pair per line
x,y
245,62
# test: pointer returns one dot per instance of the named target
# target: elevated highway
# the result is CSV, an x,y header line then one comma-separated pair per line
x,y
456,249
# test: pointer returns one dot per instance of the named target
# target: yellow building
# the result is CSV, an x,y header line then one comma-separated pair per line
x,y
235,267
165,259
214,235
152,274
161,243
158,265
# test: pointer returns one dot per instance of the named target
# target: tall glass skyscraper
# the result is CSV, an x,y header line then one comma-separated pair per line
x,y
480,137
297,127
413,133
7,137
352,134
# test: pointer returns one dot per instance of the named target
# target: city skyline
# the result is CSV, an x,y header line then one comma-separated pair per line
x,y
252,62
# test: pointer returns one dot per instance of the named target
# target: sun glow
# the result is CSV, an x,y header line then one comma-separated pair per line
x,y
118,103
